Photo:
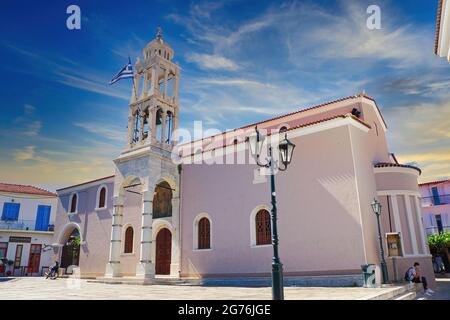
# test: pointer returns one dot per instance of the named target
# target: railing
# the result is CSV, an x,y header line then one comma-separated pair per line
x,y
435,200
435,230
23,225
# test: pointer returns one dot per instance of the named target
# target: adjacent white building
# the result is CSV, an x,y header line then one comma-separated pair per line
x,y
442,43
26,229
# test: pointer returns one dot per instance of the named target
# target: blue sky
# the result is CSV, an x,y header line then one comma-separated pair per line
x,y
242,61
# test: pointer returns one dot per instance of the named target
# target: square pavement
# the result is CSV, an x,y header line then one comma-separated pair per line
x,y
76,289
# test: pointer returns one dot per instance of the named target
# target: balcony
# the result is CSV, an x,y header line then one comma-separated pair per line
x,y
435,200
23,225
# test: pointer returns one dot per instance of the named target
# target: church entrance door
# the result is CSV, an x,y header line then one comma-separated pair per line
x,y
163,252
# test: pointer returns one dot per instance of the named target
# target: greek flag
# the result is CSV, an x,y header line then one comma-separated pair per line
x,y
125,73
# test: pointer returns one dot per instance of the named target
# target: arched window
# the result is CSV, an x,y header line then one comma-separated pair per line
x,y
162,200
128,248
101,197
73,203
204,234
262,224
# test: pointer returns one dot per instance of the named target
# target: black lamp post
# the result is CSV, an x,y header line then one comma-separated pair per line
x,y
285,149
376,207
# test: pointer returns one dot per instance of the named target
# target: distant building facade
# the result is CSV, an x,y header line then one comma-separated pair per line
x,y
193,210
26,228
442,42
435,200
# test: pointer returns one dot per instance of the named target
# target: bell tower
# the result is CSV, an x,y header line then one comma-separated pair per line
x,y
146,182
154,103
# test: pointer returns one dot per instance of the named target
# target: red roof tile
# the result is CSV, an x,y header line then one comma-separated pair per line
x,y
386,164
25,189
297,112
341,116
83,183
438,26
434,182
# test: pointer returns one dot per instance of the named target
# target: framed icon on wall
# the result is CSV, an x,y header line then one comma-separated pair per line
x,y
394,244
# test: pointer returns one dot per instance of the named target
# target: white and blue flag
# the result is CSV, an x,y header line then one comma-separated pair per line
x,y
125,73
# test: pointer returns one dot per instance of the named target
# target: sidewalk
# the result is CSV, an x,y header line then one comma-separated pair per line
x,y
39,288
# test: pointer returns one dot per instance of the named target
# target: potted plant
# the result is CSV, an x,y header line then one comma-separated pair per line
x,y
439,245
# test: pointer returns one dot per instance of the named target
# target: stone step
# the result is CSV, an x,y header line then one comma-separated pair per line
x,y
406,296
289,281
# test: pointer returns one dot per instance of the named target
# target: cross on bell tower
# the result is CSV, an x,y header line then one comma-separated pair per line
x,y
154,103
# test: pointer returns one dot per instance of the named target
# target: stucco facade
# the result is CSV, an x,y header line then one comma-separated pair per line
x,y
193,206
435,201
26,235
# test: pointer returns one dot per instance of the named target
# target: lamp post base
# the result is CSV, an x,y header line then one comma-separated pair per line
x,y
384,272
277,281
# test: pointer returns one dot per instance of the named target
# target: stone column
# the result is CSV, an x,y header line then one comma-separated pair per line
x,y
130,130
163,133
176,251
166,76
423,241
153,127
175,88
141,127
155,82
146,268
113,266
145,87
137,83
412,229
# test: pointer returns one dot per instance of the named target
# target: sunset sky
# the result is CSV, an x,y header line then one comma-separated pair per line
x,y
242,61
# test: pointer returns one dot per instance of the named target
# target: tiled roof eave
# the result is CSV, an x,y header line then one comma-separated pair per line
x,y
386,165
292,113
438,26
342,116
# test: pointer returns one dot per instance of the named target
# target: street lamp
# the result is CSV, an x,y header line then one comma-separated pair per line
x,y
376,207
285,149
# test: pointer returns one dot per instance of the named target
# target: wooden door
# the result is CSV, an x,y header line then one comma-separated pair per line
x,y
35,258
163,251
18,256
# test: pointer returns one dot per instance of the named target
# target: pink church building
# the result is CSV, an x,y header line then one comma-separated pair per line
x,y
201,209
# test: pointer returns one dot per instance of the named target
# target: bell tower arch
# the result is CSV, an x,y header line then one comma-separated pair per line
x,y
154,104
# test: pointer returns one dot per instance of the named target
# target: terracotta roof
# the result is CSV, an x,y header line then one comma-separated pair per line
x,y
341,116
25,189
83,183
438,26
387,164
434,182
296,112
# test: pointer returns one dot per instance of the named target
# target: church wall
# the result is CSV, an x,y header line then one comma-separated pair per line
x,y
319,219
94,225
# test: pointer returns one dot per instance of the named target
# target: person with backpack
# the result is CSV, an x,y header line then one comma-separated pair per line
x,y
413,275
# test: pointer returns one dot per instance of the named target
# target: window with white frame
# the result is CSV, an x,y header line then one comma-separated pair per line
x,y
202,232
73,203
102,194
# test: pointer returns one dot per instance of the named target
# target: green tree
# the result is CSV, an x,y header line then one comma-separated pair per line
x,y
439,242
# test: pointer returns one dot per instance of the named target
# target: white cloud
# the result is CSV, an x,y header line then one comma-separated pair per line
x,y
214,62
32,129
29,109
113,133
27,153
